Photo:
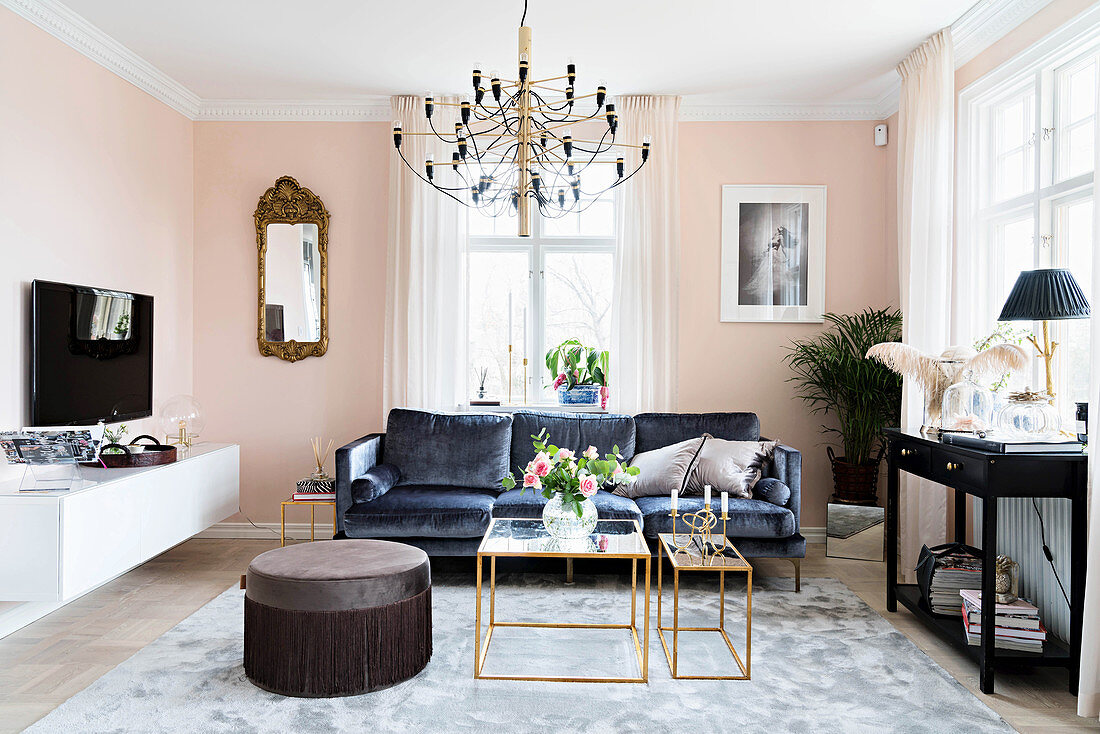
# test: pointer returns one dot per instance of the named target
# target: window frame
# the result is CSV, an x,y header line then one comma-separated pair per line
x,y
1043,68
537,246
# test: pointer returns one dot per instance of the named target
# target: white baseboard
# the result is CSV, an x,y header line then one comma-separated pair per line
x,y
300,531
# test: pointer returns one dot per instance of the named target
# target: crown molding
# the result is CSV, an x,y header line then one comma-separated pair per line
x,y
981,26
70,28
711,111
367,109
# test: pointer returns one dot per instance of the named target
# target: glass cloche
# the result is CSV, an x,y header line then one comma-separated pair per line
x,y
967,406
1029,416
182,419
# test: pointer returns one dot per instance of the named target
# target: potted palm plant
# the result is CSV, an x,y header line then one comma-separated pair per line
x,y
833,377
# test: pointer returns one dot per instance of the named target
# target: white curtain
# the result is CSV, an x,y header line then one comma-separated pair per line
x,y
644,322
425,348
1088,693
926,130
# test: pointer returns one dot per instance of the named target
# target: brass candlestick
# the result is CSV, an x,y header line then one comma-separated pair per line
x,y
702,524
182,437
525,380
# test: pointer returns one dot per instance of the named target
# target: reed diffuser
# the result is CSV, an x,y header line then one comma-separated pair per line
x,y
320,456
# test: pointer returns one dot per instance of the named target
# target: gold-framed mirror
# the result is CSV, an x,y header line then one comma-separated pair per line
x,y
292,240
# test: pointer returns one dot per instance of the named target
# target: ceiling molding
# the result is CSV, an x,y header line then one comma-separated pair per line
x,y
749,112
980,27
370,109
988,22
70,28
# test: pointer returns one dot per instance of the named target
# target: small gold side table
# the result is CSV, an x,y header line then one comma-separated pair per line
x,y
691,559
313,505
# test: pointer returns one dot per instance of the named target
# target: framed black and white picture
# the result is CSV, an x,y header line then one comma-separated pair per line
x,y
773,253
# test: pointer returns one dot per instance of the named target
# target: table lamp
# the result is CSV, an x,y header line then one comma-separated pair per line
x,y
1046,295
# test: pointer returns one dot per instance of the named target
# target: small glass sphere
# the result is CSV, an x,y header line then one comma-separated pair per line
x,y
1029,415
967,406
182,411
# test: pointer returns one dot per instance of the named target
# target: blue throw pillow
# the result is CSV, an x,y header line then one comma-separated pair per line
x,y
772,490
374,483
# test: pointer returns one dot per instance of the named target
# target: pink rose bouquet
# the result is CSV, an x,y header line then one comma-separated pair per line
x,y
560,470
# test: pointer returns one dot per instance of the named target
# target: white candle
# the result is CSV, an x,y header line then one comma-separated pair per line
x,y
509,318
706,495
725,503
523,325
675,500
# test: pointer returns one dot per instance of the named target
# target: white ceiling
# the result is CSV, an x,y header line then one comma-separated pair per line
x,y
729,51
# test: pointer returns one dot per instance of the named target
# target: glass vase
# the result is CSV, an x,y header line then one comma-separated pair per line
x,y
1029,416
967,406
561,521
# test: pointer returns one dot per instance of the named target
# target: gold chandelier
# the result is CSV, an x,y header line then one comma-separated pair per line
x,y
517,147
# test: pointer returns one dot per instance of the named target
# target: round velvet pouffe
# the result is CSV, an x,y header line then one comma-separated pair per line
x,y
337,617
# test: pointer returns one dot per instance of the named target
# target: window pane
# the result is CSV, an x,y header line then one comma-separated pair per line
x,y
1073,238
1082,93
578,299
1014,243
596,217
483,225
1076,105
1078,145
497,279
1012,150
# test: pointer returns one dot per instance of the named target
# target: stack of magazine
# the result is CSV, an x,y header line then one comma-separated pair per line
x,y
1017,624
954,572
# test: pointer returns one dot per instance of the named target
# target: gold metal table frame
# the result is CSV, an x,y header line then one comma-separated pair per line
x,y
686,561
313,505
641,644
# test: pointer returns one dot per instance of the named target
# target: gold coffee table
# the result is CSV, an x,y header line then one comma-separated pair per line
x,y
528,539
691,559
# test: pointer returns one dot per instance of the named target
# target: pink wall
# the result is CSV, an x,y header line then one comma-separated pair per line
x,y
269,406
96,188
737,366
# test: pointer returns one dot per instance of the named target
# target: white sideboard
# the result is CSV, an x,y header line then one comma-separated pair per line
x,y
59,544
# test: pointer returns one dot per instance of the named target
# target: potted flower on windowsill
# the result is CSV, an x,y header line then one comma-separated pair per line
x,y
568,482
580,373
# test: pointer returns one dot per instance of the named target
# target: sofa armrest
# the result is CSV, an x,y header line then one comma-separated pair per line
x,y
786,466
352,461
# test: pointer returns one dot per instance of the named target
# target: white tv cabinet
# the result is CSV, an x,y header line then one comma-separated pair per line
x,y
57,545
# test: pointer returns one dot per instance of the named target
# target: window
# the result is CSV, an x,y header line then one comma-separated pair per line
x,y
535,292
1026,191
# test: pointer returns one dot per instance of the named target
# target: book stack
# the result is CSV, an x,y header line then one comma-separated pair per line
x,y
996,446
954,573
1017,624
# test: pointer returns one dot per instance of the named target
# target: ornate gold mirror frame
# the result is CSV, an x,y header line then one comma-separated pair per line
x,y
289,203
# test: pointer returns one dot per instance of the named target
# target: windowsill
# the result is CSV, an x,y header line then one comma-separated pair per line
x,y
545,407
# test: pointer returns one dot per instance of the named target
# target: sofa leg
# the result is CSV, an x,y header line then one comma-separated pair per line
x,y
797,574
568,570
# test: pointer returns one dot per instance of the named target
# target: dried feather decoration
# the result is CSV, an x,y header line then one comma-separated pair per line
x,y
935,374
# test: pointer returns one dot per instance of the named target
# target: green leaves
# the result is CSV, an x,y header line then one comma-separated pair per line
x,y
509,482
581,365
833,377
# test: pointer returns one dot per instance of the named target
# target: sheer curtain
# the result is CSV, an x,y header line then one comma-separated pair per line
x,y
1088,694
425,347
644,322
926,130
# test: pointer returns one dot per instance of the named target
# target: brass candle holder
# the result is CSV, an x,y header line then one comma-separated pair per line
x,y
702,524
182,438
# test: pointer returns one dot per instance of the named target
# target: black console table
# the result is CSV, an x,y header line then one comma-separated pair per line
x,y
989,476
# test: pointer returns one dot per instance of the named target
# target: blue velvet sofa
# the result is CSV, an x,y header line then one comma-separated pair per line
x,y
446,486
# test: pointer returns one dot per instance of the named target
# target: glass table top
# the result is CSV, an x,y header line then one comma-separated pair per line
x,y
516,537
691,556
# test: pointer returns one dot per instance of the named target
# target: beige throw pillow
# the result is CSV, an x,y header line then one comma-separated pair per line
x,y
730,466
663,470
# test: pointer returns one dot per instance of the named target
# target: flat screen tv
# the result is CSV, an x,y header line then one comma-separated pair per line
x,y
91,355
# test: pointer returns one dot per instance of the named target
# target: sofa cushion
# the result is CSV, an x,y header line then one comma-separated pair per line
x,y
747,518
529,505
772,490
730,466
437,511
655,430
375,482
448,450
662,471
575,431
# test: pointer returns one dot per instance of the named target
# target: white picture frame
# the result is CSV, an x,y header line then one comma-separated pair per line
x,y
773,253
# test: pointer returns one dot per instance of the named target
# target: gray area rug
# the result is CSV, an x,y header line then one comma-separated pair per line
x,y
822,661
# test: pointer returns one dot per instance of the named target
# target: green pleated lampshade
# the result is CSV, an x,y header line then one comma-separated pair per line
x,y
1045,295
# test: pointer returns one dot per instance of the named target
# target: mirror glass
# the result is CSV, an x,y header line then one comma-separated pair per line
x,y
292,307
855,531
